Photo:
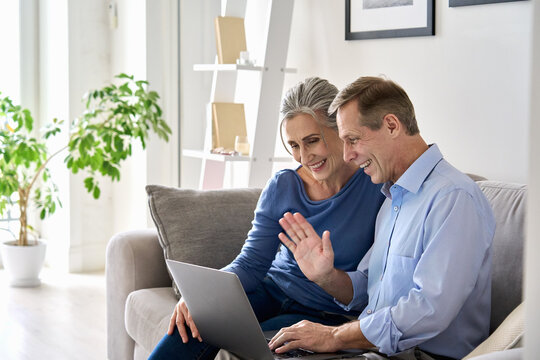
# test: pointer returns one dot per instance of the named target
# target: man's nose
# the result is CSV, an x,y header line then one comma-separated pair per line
x,y
348,153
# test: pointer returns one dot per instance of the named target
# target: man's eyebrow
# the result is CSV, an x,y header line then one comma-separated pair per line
x,y
347,133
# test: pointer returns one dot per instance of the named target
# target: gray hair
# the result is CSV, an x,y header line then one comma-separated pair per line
x,y
313,96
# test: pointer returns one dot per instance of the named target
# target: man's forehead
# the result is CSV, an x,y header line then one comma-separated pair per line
x,y
348,122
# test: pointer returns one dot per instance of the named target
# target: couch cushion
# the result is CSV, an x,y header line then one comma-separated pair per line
x,y
508,202
507,336
512,354
147,315
206,228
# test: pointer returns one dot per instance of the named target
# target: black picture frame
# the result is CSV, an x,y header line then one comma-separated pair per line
x,y
457,3
427,30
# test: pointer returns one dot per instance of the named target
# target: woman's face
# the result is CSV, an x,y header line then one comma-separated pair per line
x,y
322,157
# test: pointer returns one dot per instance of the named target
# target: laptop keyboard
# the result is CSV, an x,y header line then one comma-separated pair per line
x,y
292,354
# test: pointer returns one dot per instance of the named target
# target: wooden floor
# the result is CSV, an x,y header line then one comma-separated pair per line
x,y
64,318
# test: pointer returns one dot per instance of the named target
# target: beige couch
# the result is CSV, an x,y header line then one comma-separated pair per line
x,y
209,228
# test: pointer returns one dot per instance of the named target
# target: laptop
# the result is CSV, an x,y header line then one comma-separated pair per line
x,y
224,317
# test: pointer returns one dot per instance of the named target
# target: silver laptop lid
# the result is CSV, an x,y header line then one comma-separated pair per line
x,y
221,310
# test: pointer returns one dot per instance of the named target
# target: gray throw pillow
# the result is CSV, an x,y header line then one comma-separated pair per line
x,y
206,228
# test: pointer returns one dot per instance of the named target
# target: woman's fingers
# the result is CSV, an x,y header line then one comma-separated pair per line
x,y
180,324
180,318
172,323
192,327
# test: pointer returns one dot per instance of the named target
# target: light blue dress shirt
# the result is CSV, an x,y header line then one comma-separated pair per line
x,y
429,282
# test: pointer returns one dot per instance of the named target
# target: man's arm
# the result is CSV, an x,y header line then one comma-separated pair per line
x,y
315,256
319,338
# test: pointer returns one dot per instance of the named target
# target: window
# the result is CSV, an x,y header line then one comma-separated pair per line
x,y
10,86
10,58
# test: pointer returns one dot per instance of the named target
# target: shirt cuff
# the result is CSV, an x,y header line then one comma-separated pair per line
x,y
380,330
360,297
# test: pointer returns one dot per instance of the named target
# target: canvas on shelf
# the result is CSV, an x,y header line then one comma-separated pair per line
x,y
230,38
228,121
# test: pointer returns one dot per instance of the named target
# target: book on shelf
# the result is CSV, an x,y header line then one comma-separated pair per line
x,y
230,38
228,122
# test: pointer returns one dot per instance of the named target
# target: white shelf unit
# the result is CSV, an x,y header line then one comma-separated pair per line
x,y
200,154
226,67
234,67
272,72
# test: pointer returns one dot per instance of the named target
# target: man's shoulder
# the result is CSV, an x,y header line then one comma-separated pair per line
x,y
446,178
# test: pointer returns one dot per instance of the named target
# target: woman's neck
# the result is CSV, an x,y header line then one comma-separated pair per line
x,y
320,190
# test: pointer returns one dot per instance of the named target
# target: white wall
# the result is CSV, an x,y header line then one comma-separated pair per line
x,y
469,83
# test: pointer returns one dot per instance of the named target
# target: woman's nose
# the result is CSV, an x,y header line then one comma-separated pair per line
x,y
304,153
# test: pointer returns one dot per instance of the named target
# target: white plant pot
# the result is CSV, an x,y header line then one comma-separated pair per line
x,y
23,263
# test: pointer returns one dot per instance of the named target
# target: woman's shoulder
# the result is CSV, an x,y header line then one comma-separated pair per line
x,y
281,190
284,178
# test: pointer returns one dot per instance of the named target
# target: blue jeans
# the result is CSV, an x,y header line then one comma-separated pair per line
x,y
274,310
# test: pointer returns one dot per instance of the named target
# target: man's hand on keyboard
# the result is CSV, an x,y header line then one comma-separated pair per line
x,y
305,335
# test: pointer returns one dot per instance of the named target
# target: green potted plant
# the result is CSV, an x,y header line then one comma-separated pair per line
x,y
100,140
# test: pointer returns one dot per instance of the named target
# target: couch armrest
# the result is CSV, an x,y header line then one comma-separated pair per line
x,y
134,261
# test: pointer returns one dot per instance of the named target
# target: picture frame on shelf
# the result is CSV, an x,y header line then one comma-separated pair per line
x,y
378,19
457,3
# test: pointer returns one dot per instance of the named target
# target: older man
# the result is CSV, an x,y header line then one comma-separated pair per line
x,y
424,288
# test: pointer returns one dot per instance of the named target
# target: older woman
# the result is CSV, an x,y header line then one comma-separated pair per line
x,y
331,194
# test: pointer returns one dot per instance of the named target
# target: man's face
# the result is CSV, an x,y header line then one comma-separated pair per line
x,y
369,149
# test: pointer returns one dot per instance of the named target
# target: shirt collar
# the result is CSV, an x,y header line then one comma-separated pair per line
x,y
416,174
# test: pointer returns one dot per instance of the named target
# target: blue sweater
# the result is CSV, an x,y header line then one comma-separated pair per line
x,y
349,216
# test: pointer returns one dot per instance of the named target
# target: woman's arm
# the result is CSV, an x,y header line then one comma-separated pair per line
x,y
260,247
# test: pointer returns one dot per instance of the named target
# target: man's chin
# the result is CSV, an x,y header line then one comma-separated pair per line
x,y
374,178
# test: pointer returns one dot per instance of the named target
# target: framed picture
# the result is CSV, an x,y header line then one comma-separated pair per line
x,y
376,19
455,3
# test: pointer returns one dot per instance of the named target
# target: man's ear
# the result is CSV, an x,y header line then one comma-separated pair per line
x,y
392,124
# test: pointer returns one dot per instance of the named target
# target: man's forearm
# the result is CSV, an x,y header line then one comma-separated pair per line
x,y
350,336
338,284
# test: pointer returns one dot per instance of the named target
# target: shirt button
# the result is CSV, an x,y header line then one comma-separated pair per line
x,y
369,311
396,208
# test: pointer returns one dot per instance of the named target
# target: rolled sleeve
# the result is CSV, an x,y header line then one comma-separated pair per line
x,y
360,296
381,331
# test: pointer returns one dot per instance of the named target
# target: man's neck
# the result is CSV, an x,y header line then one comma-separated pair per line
x,y
409,149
